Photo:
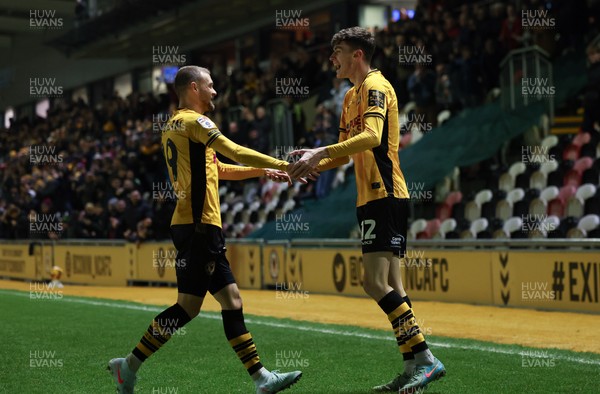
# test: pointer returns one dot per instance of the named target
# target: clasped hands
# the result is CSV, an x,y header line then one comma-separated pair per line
x,y
302,170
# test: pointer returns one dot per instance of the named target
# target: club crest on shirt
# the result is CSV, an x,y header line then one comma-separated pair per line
x,y
376,99
206,123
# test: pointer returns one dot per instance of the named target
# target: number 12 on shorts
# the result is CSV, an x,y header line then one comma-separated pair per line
x,y
370,226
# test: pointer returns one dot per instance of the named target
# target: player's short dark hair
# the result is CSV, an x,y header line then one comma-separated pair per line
x,y
357,38
187,75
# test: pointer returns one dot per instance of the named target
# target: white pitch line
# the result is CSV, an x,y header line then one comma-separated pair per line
x,y
330,331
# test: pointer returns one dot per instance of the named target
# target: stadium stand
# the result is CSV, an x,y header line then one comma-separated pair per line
x,y
110,150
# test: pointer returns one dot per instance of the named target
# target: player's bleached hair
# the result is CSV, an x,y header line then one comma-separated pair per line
x,y
187,75
357,38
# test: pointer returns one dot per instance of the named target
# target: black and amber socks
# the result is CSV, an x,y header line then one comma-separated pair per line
x,y
159,332
408,335
241,340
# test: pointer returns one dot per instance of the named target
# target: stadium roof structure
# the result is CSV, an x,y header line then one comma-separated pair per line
x,y
15,17
126,30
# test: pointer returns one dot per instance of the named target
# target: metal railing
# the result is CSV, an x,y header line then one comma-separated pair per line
x,y
465,244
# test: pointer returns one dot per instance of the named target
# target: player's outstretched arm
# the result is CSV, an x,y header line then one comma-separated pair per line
x,y
247,156
232,172
311,158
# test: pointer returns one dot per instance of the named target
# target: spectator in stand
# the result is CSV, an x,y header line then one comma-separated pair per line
x,y
325,133
136,211
591,101
262,123
511,33
258,141
116,221
421,86
340,87
490,65
90,223
444,95
467,78
13,223
442,47
233,133
452,31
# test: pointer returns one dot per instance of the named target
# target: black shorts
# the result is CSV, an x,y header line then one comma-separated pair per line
x,y
383,224
201,263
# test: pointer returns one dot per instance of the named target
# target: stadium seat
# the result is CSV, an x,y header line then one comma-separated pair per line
x,y
488,209
224,207
557,206
451,182
507,180
477,226
416,134
521,208
254,206
416,227
566,224
548,225
445,208
248,229
539,178
222,191
539,206
573,150
443,116
431,229
405,140
237,207
575,175
473,208
446,227
288,205
510,226
576,204
586,224
504,208
522,181
550,142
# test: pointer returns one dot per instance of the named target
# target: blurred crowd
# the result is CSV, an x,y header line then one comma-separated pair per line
x,y
107,158
466,43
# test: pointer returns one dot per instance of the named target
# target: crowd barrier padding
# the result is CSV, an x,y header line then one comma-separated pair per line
x,y
559,279
156,262
96,264
21,260
274,264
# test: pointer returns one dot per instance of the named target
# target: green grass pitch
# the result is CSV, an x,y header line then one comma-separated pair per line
x,y
63,346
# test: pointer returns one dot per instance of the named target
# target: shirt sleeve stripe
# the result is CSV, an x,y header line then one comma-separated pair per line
x,y
213,138
375,114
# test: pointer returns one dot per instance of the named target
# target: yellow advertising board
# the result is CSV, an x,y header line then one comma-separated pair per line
x,y
17,260
245,261
442,275
156,262
273,267
324,270
96,264
547,280
433,275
